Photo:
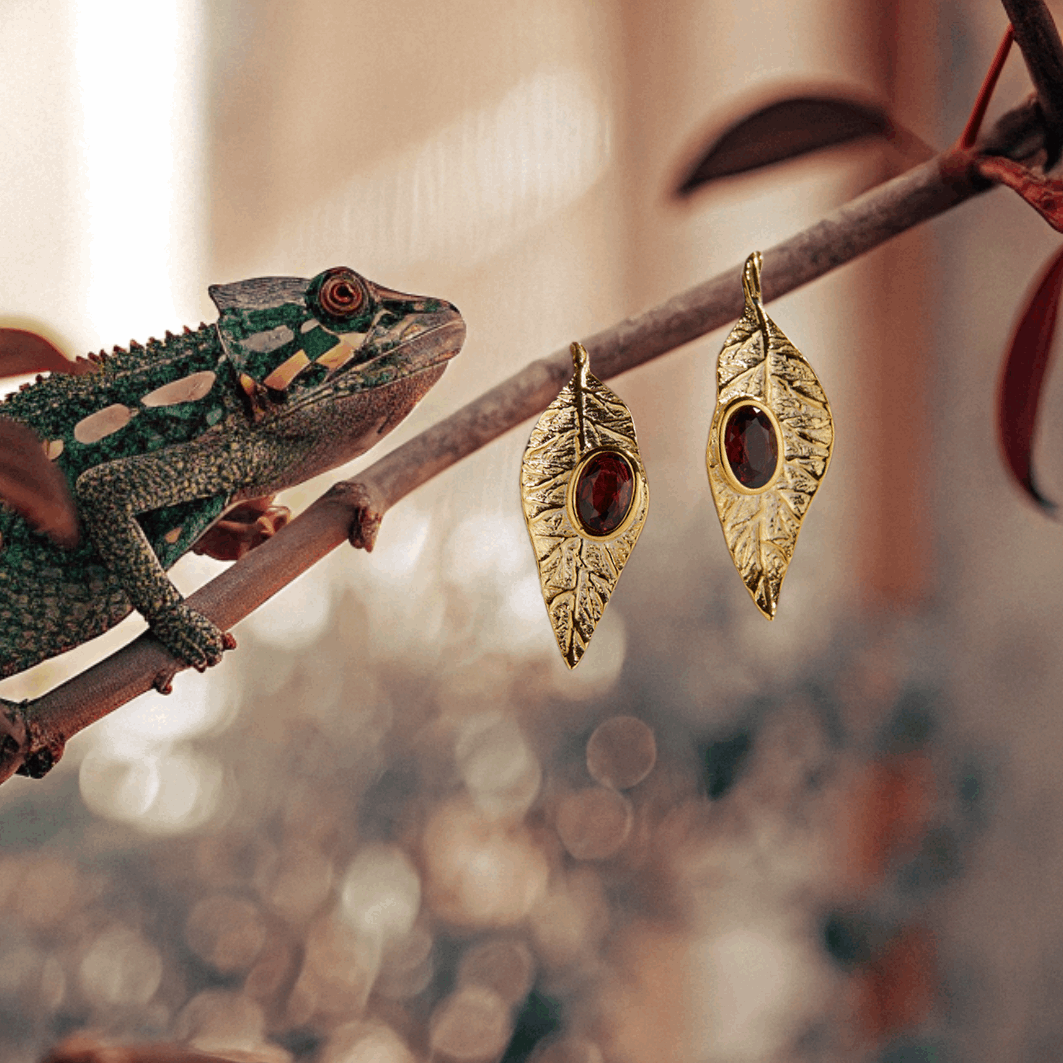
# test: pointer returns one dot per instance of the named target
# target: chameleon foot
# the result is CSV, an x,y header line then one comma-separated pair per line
x,y
191,637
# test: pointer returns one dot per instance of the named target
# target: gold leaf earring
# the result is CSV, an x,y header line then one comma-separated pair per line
x,y
769,445
585,499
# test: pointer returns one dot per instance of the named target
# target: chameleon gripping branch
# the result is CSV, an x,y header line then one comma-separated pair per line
x,y
353,510
296,378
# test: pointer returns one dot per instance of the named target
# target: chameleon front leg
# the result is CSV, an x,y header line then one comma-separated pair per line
x,y
111,495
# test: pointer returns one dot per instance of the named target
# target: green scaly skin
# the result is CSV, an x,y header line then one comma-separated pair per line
x,y
149,477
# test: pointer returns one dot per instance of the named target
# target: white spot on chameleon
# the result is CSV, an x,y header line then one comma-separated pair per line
x,y
308,326
187,389
336,356
264,342
287,371
53,448
102,423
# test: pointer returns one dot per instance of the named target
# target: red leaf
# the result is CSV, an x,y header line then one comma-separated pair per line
x,y
791,127
35,486
23,352
1023,378
897,990
889,811
1044,194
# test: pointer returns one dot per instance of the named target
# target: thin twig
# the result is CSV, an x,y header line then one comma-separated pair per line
x,y
985,93
354,509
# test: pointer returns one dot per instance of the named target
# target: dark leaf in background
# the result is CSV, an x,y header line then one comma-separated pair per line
x,y
1044,194
23,352
911,724
539,1018
789,128
890,806
723,761
1023,377
35,486
849,939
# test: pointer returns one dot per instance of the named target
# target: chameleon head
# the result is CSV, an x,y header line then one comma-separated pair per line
x,y
295,343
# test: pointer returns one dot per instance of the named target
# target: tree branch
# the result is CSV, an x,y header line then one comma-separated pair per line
x,y
354,509
1038,40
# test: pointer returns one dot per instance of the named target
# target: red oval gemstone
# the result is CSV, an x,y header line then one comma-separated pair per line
x,y
751,446
604,492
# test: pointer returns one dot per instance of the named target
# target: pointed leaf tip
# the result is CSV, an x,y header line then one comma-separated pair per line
x,y
1022,379
1043,193
791,127
23,352
34,486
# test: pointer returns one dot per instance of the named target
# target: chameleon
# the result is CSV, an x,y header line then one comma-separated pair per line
x,y
157,441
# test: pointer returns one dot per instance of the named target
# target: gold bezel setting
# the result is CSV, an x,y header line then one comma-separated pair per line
x,y
721,450
633,505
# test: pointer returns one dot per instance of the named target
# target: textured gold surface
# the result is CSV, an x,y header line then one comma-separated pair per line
x,y
759,363
578,572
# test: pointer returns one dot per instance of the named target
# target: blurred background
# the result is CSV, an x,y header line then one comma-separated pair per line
x,y
392,826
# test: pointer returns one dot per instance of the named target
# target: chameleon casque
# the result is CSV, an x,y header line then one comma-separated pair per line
x,y
156,442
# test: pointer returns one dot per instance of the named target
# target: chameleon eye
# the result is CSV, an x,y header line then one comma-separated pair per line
x,y
341,294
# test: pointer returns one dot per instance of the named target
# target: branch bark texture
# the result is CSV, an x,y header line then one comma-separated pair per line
x,y
1038,39
353,510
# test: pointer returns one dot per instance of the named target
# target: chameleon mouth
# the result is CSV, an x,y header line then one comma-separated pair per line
x,y
447,338
437,337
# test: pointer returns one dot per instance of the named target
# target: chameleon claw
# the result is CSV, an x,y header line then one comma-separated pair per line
x,y
190,637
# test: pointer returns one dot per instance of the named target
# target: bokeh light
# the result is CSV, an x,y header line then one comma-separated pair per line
x,y
481,871
366,1042
227,932
381,892
594,823
499,770
504,965
120,968
165,793
621,752
470,1026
